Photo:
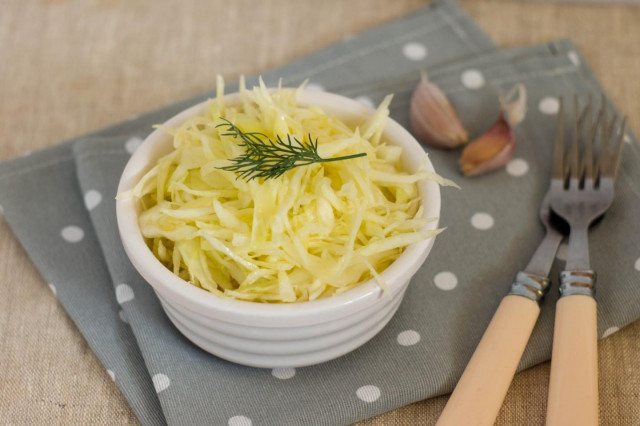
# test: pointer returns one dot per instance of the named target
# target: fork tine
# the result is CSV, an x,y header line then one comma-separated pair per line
x,y
573,153
585,112
618,157
558,150
604,158
586,165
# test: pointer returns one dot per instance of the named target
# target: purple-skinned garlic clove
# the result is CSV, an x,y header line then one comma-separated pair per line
x,y
496,147
433,119
492,150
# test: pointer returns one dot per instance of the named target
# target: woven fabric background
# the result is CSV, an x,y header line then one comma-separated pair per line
x,y
71,67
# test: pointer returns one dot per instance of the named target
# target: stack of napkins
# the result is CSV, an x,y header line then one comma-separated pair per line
x,y
60,204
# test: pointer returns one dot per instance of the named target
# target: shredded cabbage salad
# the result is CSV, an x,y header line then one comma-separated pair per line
x,y
316,231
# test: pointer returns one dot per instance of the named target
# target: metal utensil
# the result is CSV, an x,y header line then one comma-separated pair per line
x,y
582,189
485,381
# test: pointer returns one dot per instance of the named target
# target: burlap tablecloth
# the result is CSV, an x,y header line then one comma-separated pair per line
x,y
69,67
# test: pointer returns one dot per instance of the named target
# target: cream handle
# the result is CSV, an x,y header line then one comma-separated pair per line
x,y
477,398
573,387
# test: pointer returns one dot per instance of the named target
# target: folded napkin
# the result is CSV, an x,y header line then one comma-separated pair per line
x,y
424,348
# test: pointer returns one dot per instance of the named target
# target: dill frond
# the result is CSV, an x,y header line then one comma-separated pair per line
x,y
270,159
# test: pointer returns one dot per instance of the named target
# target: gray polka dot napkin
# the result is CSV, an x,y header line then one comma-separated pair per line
x,y
59,203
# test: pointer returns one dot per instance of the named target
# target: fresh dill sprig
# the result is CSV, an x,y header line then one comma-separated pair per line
x,y
269,159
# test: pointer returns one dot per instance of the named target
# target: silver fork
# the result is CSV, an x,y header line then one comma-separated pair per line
x,y
481,390
582,189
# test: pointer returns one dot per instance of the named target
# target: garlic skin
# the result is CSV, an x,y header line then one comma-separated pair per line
x,y
496,147
433,119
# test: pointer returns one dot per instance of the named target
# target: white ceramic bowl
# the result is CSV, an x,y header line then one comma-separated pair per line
x,y
275,335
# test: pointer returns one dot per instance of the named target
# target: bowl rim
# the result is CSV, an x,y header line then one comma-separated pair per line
x,y
209,304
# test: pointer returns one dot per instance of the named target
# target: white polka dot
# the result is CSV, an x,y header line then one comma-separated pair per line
x,y
366,100
283,373
637,264
482,221
132,144
72,234
562,252
609,331
549,105
160,382
445,280
53,289
408,338
112,375
123,316
368,393
574,58
626,138
414,51
472,79
124,293
240,421
517,167
91,199
315,87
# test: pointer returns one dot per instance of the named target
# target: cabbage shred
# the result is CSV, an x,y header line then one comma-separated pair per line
x,y
313,232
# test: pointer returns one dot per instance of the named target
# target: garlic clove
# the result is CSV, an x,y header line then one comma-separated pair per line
x,y
492,150
433,119
514,104
496,147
